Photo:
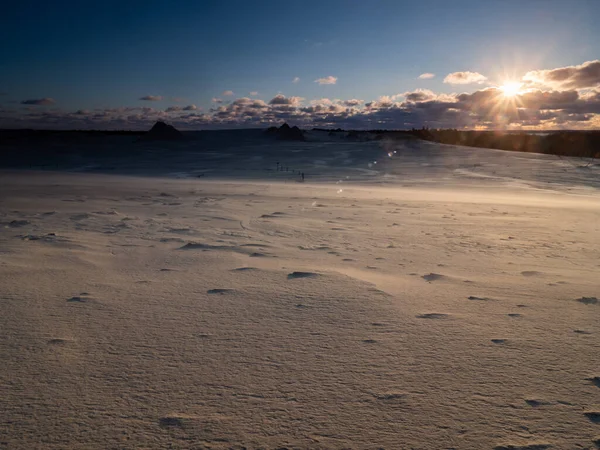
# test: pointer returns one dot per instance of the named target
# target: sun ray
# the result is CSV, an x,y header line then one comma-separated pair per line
x,y
511,89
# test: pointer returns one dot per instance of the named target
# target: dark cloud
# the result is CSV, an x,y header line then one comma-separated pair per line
x,y
420,95
151,98
281,99
352,102
39,102
181,108
586,75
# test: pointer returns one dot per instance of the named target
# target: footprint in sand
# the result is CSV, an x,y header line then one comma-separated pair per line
x,y
259,255
81,298
58,341
432,277
18,223
295,275
499,341
530,273
78,217
272,215
527,446
483,299
171,240
432,316
301,306
219,291
172,421
535,402
244,269
588,300
514,315
390,396
594,380
593,415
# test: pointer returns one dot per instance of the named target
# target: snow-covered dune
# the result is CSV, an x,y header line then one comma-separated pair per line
x,y
407,295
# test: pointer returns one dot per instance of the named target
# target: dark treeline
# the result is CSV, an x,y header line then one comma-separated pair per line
x,y
583,144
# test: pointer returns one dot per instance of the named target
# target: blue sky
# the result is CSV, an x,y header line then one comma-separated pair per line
x,y
87,55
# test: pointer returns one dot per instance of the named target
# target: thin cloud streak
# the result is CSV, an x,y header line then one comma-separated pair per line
x,y
327,80
151,98
39,102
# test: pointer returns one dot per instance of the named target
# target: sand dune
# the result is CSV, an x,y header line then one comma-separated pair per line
x,y
218,313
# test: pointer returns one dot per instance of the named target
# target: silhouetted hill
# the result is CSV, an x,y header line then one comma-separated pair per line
x,y
286,133
160,131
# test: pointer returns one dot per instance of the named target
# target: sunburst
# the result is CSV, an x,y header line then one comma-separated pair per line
x,y
511,89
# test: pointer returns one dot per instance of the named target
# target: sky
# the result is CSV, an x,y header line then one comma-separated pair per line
x,y
353,64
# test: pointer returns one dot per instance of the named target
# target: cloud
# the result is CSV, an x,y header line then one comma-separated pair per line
x,y
181,108
586,75
327,80
296,80
39,102
151,98
465,78
352,102
420,95
217,100
253,93
227,93
179,99
426,76
281,99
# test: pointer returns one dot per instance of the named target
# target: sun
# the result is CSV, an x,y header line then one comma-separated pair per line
x,y
511,89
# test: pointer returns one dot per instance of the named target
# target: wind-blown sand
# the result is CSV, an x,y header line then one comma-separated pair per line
x,y
153,312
